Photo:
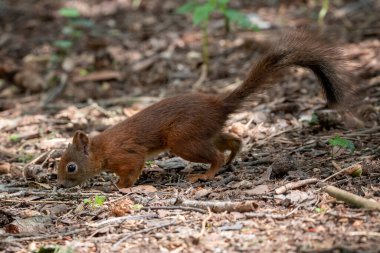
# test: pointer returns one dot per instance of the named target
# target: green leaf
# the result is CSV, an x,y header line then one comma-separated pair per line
x,y
187,7
83,72
239,18
314,119
223,2
14,138
55,249
87,201
63,44
137,207
99,200
69,12
221,5
149,163
357,173
342,142
319,210
48,249
202,13
25,158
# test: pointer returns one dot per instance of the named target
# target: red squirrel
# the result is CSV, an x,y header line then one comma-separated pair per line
x,y
191,125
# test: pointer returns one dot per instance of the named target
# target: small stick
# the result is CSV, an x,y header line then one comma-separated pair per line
x,y
201,78
47,236
271,215
295,185
185,208
336,166
57,91
351,198
265,140
116,245
204,222
38,201
217,206
16,194
340,171
121,219
364,233
34,161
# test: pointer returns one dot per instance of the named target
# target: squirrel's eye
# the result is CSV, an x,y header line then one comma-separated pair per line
x,y
71,167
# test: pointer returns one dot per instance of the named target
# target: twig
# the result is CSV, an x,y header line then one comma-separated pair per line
x,y
215,206
270,215
258,162
351,198
365,132
56,92
47,236
265,140
38,201
79,230
16,194
116,245
359,216
295,185
336,166
47,157
185,208
364,233
340,171
100,109
99,230
34,161
121,219
204,223
18,191
202,77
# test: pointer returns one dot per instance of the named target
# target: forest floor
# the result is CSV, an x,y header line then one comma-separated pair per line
x,y
59,75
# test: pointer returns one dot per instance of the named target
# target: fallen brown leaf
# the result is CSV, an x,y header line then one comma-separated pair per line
x,y
99,76
139,189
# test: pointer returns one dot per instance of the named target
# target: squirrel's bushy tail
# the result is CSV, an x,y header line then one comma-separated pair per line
x,y
294,49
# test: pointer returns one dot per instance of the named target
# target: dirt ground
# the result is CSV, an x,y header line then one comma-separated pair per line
x,y
125,55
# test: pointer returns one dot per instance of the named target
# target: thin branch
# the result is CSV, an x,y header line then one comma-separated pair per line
x,y
271,215
340,171
185,208
146,230
215,206
351,198
295,185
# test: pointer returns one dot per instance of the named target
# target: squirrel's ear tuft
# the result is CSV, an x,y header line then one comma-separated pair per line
x,y
81,141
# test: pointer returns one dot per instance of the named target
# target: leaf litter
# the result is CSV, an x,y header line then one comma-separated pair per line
x,y
158,57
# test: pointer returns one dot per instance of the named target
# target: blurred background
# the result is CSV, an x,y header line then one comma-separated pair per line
x,y
70,51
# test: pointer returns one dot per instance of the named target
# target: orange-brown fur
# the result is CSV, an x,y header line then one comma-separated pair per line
x,y
191,125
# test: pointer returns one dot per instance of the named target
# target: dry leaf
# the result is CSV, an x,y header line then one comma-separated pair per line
x,y
35,224
258,190
139,189
122,207
4,168
29,80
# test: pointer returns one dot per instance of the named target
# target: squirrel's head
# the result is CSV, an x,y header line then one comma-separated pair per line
x,y
75,165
